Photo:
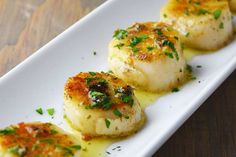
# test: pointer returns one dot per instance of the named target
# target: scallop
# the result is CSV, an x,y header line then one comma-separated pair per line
x,y
205,25
232,5
100,104
37,140
148,56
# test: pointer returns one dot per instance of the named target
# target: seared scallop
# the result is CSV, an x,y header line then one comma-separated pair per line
x,y
37,140
232,5
100,104
203,24
148,56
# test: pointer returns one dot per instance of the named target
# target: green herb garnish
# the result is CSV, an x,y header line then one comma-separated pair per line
x,y
158,31
48,141
17,150
120,34
221,25
135,40
119,45
7,131
202,12
100,100
189,68
217,14
92,73
150,48
127,99
51,111
171,45
186,11
135,49
39,111
175,90
77,147
169,54
117,113
108,123
187,34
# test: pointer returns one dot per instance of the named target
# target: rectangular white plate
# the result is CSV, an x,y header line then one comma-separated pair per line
x,y
39,80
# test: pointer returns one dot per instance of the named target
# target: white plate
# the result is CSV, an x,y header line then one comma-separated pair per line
x,y
39,80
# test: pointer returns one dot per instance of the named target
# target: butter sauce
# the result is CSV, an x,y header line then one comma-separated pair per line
x,y
97,147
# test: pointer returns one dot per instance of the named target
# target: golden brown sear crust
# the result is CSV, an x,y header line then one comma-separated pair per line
x,y
147,41
32,139
80,86
193,7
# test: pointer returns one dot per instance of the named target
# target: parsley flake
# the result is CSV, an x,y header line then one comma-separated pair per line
x,y
175,90
150,48
119,45
117,113
108,123
221,25
120,34
92,73
217,14
39,111
51,111
7,131
77,147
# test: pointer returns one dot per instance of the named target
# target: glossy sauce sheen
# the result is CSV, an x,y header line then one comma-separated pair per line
x,y
97,147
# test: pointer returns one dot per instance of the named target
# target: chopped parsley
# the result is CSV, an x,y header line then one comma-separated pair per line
x,y
125,95
94,53
194,78
51,111
108,123
186,11
175,90
158,31
221,25
100,100
136,40
197,3
48,141
217,14
7,131
68,151
202,12
92,73
150,48
88,79
39,111
165,15
135,49
87,107
17,150
117,113
169,54
126,117
120,34
199,66
187,34
189,68
77,147
119,45
53,132
110,72
127,99
171,45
